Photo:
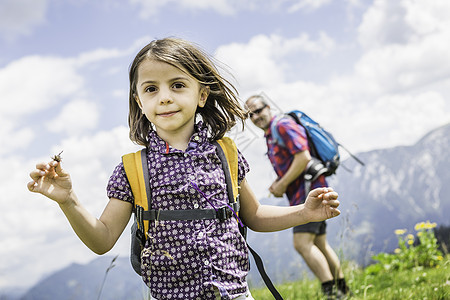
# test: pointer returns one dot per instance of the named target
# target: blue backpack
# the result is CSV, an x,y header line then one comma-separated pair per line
x,y
322,145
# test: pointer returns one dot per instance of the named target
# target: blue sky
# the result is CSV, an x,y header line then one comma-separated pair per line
x,y
375,73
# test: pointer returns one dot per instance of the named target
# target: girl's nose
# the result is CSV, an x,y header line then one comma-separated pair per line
x,y
165,97
165,100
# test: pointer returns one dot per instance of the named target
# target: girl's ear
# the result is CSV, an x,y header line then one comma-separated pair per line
x,y
138,101
204,93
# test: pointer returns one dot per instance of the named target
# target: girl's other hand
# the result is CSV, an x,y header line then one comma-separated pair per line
x,y
322,204
50,180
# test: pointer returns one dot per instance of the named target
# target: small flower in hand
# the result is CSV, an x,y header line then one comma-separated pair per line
x,y
57,157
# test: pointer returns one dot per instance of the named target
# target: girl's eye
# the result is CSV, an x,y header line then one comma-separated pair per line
x,y
178,85
150,89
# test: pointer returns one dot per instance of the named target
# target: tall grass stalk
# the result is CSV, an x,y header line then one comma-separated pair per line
x,y
111,265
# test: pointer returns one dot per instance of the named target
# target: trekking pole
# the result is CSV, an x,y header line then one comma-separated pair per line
x,y
354,157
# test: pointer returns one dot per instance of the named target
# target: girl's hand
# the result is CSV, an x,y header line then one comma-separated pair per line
x,y
321,204
50,180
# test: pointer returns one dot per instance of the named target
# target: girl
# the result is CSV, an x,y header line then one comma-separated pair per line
x,y
171,83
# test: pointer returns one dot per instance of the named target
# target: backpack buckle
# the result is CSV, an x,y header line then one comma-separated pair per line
x,y
222,213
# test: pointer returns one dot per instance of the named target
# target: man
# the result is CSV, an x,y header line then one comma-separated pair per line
x,y
290,162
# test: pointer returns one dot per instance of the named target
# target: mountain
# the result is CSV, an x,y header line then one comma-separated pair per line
x,y
84,282
397,188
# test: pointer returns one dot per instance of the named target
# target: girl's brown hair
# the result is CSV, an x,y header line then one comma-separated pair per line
x,y
222,107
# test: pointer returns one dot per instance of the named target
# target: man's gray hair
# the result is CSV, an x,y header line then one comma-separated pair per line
x,y
259,97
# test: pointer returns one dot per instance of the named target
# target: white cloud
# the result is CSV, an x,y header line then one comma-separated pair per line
x,y
12,138
402,22
395,119
384,23
416,57
427,17
303,43
29,86
397,83
33,83
97,55
75,117
101,54
308,5
120,93
252,64
395,68
150,8
19,17
262,61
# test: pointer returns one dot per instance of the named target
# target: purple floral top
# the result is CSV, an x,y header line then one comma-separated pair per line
x,y
189,259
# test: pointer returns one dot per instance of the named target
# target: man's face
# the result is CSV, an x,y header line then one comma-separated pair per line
x,y
260,113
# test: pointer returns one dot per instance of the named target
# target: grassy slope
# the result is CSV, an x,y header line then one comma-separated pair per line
x,y
432,284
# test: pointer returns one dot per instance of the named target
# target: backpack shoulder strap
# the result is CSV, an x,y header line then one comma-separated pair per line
x,y
274,130
229,156
136,169
228,151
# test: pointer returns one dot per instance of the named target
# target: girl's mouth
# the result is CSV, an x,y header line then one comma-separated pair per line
x,y
167,114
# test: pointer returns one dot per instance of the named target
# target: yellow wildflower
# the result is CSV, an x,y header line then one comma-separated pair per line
x,y
429,225
420,233
410,236
397,251
419,226
400,231
410,242
440,257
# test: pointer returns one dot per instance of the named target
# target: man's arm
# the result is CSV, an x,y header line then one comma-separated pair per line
x,y
298,165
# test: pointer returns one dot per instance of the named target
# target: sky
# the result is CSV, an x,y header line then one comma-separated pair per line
x,y
374,73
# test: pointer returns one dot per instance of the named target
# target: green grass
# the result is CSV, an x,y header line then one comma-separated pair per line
x,y
416,283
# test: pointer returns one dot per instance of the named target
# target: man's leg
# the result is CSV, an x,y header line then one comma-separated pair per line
x,y
333,261
314,258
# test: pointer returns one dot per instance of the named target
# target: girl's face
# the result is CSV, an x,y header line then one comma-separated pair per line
x,y
168,97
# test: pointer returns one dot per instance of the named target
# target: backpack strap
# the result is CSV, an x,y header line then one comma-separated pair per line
x,y
228,149
312,148
227,152
274,131
260,265
136,169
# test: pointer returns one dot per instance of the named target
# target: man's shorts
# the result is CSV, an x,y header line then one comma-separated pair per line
x,y
317,228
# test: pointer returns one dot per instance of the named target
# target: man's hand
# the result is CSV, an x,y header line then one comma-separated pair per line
x,y
321,204
277,188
